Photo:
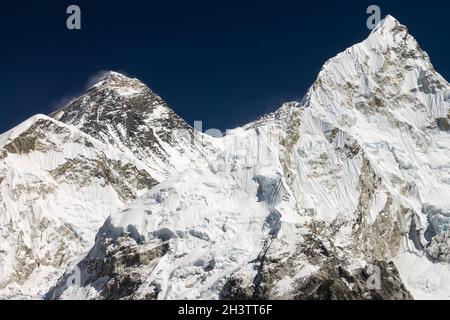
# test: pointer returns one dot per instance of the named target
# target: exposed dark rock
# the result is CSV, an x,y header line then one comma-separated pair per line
x,y
112,261
352,150
36,137
380,280
122,177
443,124
336,283
121,287
235,290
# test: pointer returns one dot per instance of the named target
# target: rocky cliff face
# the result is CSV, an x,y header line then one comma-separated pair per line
x,y
338,196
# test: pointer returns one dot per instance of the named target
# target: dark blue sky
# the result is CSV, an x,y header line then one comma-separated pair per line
x,y
223,62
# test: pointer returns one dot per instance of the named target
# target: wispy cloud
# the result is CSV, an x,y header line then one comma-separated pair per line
x,y
92,80
96,77
64,101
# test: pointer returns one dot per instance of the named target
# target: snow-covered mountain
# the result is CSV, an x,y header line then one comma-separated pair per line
x,y
339,196
58,184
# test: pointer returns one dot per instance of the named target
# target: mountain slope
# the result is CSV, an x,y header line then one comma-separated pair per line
x,y
57,185
339,196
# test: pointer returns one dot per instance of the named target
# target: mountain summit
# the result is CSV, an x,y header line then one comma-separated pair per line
x,y
126,114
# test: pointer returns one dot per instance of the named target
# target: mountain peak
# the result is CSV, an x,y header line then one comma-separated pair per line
x,y
390,31
386,72
113,75
388,23
120,83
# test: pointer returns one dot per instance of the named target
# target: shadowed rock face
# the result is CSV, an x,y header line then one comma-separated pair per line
x,y
333,280
109,267
336,283
443,123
